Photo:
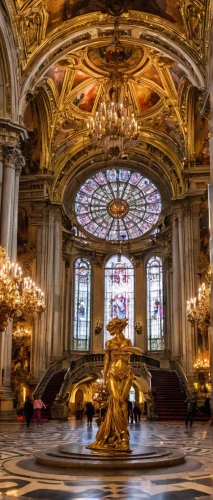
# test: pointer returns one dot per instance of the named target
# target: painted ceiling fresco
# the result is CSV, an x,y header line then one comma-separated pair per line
x,y
126,56
56,73
146,97
71,58
63,10
85,100
176,73
152,75
80,76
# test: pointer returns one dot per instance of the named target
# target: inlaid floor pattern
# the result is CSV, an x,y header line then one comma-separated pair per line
x,y
22,478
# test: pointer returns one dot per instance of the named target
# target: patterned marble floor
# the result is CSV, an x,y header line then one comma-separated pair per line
x,y
22,478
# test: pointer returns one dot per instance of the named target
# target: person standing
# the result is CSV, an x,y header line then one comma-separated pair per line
x,y
137,413
90,411
37,406
191,408
28,411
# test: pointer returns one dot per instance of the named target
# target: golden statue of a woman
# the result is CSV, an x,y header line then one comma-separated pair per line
x,y
113,433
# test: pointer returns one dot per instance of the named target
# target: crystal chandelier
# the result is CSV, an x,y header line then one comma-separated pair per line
x,y
114,128
10,299
201,365
32,299
18,296
99,391
22,332
198,313
198,308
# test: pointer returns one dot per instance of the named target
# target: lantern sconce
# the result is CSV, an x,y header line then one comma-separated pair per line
x,y
98,326
138,326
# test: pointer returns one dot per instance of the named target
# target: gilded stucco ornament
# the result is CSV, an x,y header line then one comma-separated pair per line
x,y
32,25
192,15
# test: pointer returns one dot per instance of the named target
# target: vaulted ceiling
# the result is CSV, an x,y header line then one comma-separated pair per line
x,y
63,60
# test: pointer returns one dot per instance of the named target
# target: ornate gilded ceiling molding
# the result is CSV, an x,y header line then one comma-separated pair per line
x,y
196,20
32,24
63,41
154,160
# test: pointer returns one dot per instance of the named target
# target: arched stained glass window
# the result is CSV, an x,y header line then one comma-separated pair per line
x,y
82,292
118,204
119,293
155,304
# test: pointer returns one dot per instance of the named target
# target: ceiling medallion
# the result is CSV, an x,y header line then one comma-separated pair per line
x,y
118,208
114,128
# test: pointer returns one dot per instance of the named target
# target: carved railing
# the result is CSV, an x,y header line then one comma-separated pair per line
x,y
94,362
150,362
91,363
55,367
176,366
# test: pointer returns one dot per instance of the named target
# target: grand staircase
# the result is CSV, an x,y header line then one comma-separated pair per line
x,y
168,390
50,392
169,395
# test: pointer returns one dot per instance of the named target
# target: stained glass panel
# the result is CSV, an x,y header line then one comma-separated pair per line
x,y
119,293
155,304
82,292
106,203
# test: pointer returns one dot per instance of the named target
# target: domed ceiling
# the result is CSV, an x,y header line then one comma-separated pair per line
x,y
67,56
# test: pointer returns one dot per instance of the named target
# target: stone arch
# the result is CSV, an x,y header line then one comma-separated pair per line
x,y
8,71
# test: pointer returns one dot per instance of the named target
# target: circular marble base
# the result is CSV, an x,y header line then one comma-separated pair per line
x,y
77,457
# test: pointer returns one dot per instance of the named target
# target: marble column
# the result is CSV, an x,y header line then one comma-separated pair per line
x,y
7,202
195,234
140,304
12,164
49,286
10,160
57,283
175,289
189,289
63,295
1,171
37,347
14,226
182,288
167,303
67,307
44,277
97,340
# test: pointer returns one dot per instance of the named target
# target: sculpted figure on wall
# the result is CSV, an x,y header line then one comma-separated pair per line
x,y
118,375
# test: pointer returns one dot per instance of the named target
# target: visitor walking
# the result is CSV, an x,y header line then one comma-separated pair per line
x,y
191,408
28,410
90,411
38,405
137,413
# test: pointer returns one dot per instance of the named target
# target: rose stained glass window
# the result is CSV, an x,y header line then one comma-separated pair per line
x,y
118,204
82,292
154,276
119,293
